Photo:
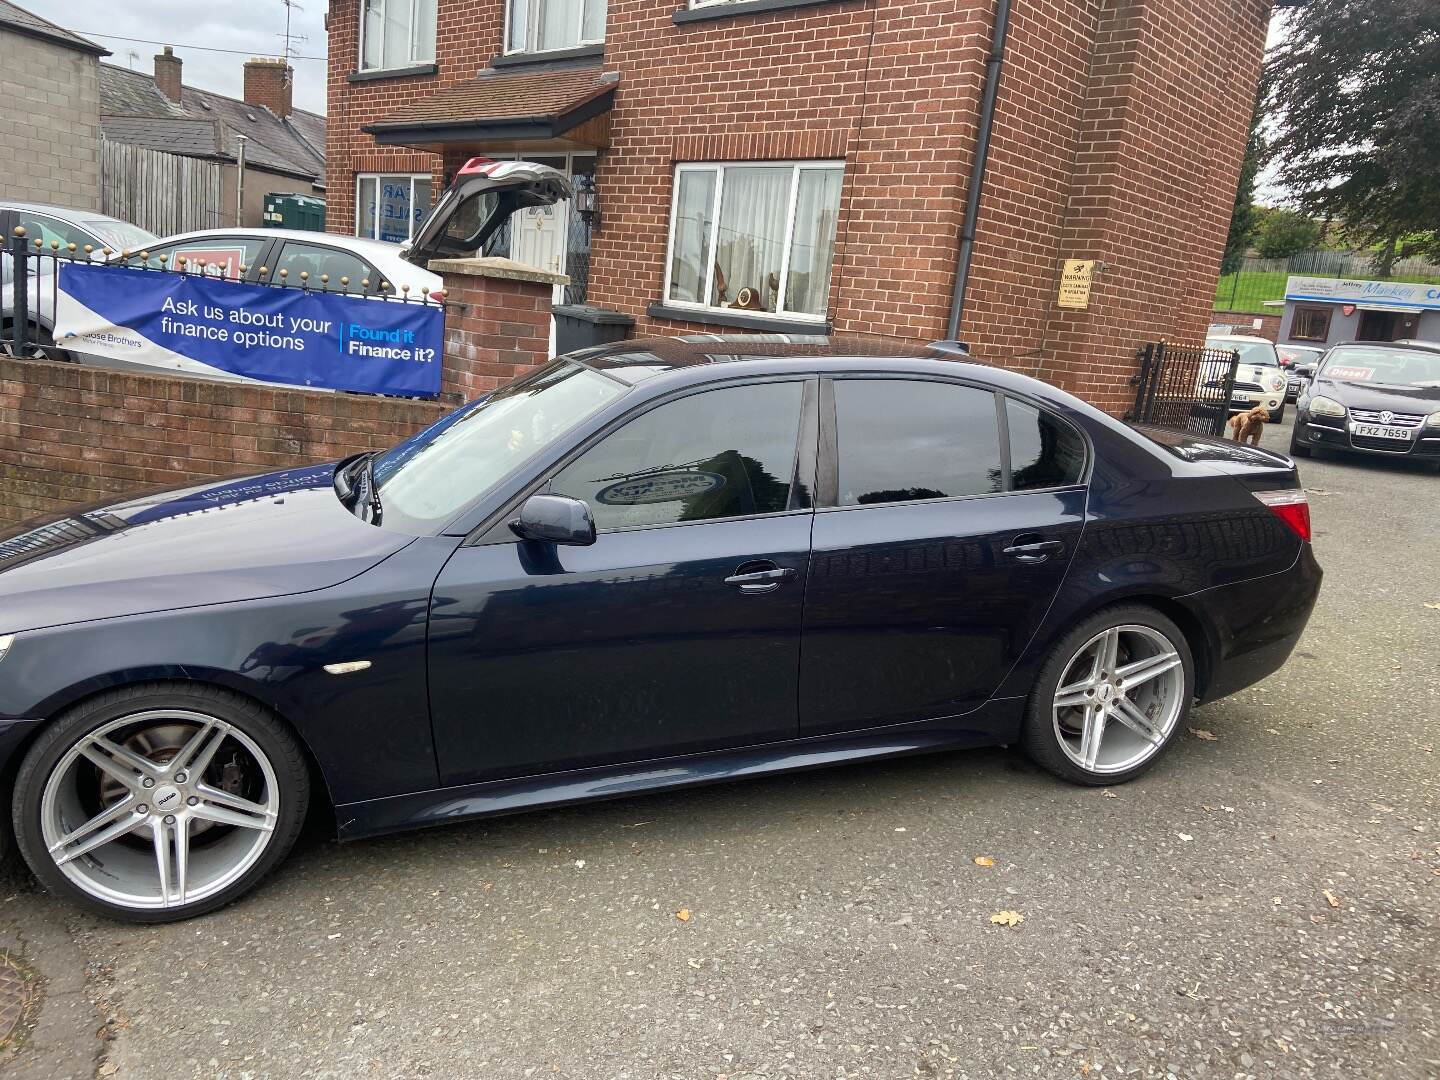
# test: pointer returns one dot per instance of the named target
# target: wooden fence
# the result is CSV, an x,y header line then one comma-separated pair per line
x,y
165,193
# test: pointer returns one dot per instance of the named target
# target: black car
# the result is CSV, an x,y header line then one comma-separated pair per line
x,y
646,565
1371,397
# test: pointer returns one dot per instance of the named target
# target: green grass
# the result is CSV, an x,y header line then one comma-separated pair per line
x,y
1248,290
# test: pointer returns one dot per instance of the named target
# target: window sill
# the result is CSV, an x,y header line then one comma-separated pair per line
x,y
392,73
744,320
728,9
555,58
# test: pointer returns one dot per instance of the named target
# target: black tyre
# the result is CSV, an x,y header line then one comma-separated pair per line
x,y
1297,449
1110,697
157,802
1278,416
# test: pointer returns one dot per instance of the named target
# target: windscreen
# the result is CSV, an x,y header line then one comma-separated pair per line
x,y
1259,352
1383,366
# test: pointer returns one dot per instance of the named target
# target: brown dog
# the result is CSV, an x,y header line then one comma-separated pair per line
x,y
1248,426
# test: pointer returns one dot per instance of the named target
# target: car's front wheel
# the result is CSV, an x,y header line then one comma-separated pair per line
x,y
1278,416
157,802
1110,697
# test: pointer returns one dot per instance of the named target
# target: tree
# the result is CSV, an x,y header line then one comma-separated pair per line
x,y
1242,215
1286,233
1354,94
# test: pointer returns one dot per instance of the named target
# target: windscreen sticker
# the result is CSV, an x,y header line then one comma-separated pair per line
x,y
1358,374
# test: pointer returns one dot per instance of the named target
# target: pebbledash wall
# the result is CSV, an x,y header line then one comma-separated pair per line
x,y
1119,131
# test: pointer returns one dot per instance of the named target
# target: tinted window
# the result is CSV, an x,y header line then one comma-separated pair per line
x,y
901,440
317,261
1256,351
717,454
1044,452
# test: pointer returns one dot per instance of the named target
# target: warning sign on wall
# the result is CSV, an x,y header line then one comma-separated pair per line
x,y
1075,278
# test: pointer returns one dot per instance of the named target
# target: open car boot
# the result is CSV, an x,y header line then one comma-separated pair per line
x,y
481,198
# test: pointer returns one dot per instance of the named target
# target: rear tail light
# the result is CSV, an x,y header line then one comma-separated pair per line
x,y
1291,507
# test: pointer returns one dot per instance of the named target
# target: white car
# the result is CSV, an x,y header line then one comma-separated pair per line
x,y
1259,378
52,226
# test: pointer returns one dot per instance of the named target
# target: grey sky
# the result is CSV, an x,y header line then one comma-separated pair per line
x,y
252,27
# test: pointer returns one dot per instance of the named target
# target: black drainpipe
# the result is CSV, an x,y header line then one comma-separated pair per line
x,y
977,171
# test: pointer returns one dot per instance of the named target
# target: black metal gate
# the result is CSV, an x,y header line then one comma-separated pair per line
x,y
1186,387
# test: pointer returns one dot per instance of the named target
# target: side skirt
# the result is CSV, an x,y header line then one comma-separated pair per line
x,y
995,722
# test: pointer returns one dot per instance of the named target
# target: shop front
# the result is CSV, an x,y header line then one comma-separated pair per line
x,y
1326,311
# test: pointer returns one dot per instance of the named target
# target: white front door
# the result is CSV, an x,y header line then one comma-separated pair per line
x,y
537,237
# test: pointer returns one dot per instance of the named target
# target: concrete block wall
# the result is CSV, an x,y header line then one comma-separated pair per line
x,y
50,126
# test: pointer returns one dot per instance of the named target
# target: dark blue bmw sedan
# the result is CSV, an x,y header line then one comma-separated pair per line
x,y
652,564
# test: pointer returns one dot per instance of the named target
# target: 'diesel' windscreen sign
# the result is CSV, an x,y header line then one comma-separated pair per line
x,y
199,325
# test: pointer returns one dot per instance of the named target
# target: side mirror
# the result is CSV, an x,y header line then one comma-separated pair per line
x,y
555,519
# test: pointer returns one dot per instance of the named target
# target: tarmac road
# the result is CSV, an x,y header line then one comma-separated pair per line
x,y
838,926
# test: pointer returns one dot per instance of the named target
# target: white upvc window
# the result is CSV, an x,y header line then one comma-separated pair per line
x,y
396,34
548,25
390,206
753,236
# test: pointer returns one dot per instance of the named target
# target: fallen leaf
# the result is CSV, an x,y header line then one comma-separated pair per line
x,y
1433,607
984,860
1201,733
1331,898
1107,793
1007,918
1185,836
107,1069
1272,731
683,914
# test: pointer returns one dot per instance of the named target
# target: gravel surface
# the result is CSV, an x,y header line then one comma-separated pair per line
x,y
1263,904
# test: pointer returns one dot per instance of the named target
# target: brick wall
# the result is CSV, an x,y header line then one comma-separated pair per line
x,y
50,135
71,434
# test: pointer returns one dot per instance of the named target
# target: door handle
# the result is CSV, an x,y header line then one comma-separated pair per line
x,y
1032,552
760,581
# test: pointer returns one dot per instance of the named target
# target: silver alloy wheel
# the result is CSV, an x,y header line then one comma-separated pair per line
x,y
1119,699
162,834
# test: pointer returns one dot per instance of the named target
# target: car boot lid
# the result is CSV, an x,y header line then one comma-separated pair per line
x,y
478,202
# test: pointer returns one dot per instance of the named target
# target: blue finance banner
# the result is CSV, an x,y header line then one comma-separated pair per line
x,y
190,323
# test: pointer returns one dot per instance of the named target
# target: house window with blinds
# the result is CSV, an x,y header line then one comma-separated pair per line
x,y
548,25
754,236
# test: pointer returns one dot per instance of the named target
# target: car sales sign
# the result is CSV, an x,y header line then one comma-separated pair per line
x,y
199,324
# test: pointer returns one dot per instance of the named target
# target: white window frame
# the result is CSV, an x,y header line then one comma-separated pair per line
x,y
412,60
719,167
532,30
377,177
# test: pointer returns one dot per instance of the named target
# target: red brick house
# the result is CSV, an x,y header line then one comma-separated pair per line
x,y
805,164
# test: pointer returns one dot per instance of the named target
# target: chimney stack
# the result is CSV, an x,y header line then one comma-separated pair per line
x,y
167,73
269,83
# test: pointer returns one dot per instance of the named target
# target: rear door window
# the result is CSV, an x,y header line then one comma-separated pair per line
x,y
1044,450
901,440
319,266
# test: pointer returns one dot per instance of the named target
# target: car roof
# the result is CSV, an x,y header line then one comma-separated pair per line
x,y
700,358
69,212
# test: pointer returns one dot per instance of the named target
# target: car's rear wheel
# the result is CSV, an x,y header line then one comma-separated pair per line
x,y
1110,697
157,802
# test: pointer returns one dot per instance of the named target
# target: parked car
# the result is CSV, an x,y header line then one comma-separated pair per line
x,y
645,565
1296,359
1259,378
482,198
52,226
1371,397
